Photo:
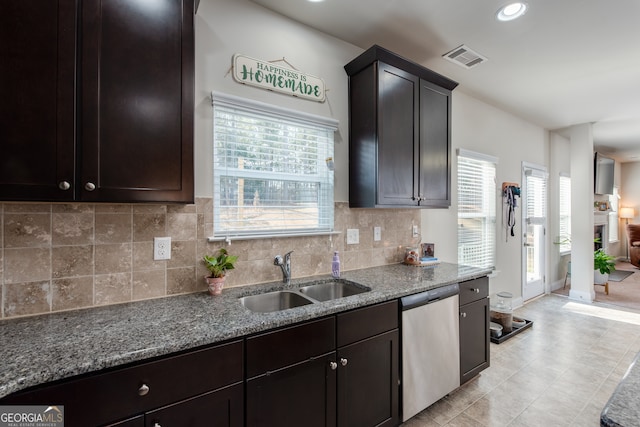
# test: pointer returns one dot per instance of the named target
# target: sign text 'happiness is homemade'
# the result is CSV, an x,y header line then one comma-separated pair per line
x,y
266,75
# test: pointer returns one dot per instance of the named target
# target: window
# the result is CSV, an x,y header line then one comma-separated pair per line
x,y
271,170
564,239
476,209
613,216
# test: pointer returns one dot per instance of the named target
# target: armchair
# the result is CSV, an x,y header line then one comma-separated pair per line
x,y
633,237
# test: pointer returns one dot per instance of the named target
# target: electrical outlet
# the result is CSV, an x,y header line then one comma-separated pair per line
x,y
353,236
415,231
377,234
161,248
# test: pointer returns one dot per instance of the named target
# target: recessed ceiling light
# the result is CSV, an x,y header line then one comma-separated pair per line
x,y
315,1
512,11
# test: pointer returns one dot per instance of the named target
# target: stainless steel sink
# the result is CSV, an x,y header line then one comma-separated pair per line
x,y
274,301
314,292
331,290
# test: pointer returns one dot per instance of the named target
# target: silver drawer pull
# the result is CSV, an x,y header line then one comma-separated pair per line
x,y
463,314
89,186
476,290
143,390
343,361
156,425
64,185
333,366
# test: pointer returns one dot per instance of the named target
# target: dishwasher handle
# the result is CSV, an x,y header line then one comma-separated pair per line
x,y
427,297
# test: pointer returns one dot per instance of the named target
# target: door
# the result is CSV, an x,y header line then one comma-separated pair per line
x,y
37,136
435,153
137,101
303,394
368,382
398,136
534,221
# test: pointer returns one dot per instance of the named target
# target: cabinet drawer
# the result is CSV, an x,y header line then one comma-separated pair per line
x,y
284,347
474,290
113,395
366,322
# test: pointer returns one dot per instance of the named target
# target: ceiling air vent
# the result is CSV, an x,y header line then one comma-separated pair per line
x,y
464,57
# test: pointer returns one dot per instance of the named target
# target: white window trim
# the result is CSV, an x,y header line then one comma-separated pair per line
x,y
564,252
219,98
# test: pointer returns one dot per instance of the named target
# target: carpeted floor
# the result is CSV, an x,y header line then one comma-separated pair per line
x,y
625,293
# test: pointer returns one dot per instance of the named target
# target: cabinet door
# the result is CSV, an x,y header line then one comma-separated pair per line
x,y
222,408
474,339
37,47
368,382
435,152
303,394
136,109
397,136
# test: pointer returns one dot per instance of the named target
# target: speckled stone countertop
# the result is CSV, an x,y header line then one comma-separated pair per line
x,y
623,408
35,350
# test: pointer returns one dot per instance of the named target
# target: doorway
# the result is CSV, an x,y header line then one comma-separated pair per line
x,y
534,225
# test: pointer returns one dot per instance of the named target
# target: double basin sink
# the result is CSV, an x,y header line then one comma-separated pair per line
x,y
315,292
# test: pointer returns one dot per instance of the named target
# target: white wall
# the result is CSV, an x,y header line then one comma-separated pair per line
x,y
227,27
630,193
480,127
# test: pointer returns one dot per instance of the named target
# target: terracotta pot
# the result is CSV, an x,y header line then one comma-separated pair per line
x,y
215,284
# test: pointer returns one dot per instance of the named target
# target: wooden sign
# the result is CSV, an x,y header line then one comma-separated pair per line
x,y
267,75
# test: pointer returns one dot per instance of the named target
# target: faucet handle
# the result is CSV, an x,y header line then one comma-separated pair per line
x,y
278,260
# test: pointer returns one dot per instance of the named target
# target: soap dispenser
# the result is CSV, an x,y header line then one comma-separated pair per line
x,y
335,265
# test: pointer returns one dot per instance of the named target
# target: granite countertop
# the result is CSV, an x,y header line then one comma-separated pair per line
x,y
50,347
623,408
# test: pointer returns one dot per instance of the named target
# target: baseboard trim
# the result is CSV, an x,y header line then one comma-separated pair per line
x,y
581,296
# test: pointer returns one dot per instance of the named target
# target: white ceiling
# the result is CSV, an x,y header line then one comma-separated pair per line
x,y
565,62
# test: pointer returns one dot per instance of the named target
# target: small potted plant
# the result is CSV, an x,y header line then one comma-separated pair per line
x,y
603,264
218,265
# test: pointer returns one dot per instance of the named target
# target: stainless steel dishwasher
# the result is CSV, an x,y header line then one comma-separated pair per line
x,y
430,347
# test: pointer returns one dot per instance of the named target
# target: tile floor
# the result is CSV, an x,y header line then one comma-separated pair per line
x,y
560,372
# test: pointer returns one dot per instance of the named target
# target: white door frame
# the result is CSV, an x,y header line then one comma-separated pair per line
x,y
538,170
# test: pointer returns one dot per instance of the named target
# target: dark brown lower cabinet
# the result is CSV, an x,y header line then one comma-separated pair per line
x,y
303,394
338,371
368,382
474,328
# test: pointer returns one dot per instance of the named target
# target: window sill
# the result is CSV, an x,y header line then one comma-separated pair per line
x,y
229,239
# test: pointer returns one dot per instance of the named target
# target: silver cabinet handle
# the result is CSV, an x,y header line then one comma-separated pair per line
x,y
64,185
476,290
463,314
143,390
333,366
156,425
343,361
89,186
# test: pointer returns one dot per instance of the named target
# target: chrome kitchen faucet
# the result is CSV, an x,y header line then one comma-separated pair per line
x,y
285,265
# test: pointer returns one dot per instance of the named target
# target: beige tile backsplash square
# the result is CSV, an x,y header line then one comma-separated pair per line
x,y
56,257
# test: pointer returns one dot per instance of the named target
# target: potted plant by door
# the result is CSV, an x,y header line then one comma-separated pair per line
x,y
603,265
218,265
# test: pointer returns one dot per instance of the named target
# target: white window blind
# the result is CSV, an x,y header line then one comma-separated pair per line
x,y
270,170
613,216
564,239
476,209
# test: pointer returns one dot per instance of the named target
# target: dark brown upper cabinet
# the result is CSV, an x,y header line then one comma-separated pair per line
x,y
399,133
99,100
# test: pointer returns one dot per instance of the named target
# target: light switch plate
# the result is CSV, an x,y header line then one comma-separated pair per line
x,y
161,248
353,236
377,234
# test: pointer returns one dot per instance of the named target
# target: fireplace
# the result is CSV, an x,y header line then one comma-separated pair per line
x,y
600,231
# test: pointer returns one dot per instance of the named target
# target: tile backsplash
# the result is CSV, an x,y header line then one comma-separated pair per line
x,y
56,257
